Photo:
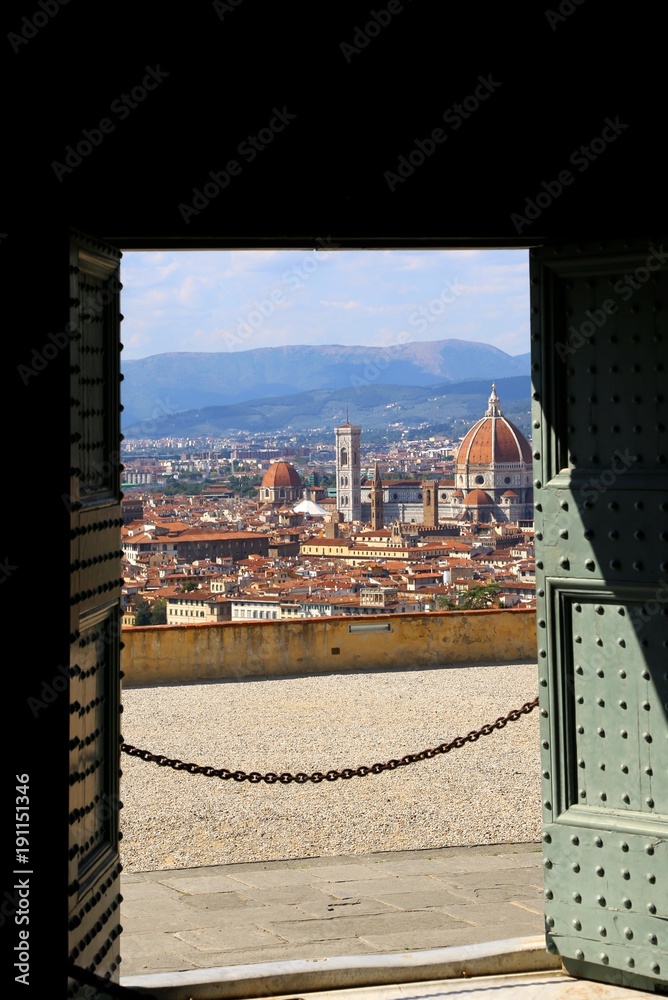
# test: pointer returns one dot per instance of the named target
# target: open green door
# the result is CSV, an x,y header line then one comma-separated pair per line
x,y
599,362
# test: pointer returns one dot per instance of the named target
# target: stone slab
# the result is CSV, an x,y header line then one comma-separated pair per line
x,y
192,884
438,937
362,926
142,917
430,899
261,916
353,905
417,940
282,953
229,938
154,890
479,889
146,952
274,880
297,894
501,915
381,887
453,866
216,901
348,873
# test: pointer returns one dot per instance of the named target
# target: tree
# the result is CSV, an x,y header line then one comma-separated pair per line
x,y
188,586
159,612
478,597
143,612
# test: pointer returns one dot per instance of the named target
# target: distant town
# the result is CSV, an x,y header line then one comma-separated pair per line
x,y
254,527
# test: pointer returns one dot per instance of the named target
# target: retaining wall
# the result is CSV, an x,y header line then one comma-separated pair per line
x,y
173,654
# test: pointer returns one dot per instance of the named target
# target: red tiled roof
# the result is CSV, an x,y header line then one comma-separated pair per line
x,y
281,474
494,439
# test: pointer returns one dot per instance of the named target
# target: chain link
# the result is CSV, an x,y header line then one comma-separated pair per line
x,y
286,778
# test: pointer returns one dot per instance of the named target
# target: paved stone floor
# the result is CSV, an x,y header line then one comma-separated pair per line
x,y
243,914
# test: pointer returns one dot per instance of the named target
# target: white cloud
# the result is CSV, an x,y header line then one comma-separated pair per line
x,y
351,304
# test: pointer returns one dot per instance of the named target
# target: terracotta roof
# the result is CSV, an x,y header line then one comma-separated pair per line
x,y
494,439
215,536
477,498
281,474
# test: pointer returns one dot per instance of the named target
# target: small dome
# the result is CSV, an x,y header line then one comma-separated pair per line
x,y
509,493
476,498
281,474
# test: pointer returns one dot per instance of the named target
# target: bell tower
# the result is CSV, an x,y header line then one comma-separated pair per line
x,y
376,501
348,488
430,504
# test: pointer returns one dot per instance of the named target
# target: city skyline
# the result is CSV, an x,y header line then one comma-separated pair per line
x,y
238,300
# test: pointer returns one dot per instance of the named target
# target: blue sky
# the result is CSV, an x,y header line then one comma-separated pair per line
x,y
242,299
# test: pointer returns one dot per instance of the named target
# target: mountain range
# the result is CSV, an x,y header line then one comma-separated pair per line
x,y
378,408
157,388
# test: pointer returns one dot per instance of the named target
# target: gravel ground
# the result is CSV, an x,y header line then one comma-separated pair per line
x,y
488,792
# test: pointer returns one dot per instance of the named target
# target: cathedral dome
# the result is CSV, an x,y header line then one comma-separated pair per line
x,y
477,498
281,474
494,439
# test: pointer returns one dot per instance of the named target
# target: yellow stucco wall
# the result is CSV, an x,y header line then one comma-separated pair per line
x,y
172,654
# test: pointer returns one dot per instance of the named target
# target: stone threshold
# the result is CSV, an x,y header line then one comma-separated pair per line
x,y
274,979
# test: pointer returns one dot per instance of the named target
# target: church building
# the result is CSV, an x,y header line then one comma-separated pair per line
x,y
492,482
281,485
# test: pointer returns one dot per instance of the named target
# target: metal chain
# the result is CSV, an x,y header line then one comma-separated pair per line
x,y
347,772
